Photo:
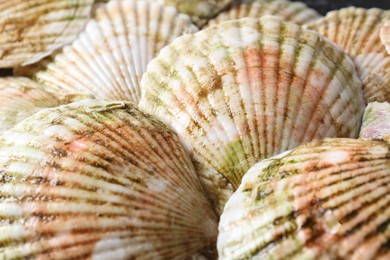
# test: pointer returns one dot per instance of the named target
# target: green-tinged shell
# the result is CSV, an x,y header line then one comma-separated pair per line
x,y
376,122
248,89
385,35
329,199
296,12
20,98
31,30
108,59
99,180
357,31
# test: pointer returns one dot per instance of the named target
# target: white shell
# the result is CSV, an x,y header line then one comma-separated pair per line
x,y
99,180
376,122
329,199
19,98
248,89
33,29
296,12
109,57
385,35
357,30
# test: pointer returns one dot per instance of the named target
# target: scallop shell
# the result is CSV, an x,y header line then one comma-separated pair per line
x,y
249,89
385,35
99,180
356,30
19,98
376,122
325,200
31,30
110,56
296,12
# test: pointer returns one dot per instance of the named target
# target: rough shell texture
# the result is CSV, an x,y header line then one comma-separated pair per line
x,y
356,30
296,12
108,59
385,35
31,30
248,89
99,180
19,98
376,122
325,200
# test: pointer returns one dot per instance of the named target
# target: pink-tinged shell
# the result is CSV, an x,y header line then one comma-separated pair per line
x,y
385,35
328,199
295,12
31,30
99,180
109,57
248,89
357,31
376,122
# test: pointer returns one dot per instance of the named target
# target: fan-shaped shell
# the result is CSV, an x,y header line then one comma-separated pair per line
x,y
325,200
296,12
110,56
248,89
376,122
19,98
31,30
99,180
357,30
385,35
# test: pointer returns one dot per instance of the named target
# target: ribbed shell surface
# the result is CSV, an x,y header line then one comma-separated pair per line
x,y
248,89
295,12
31,30
19,98
357,31
108,59
376,122
385,35
99,180
326,200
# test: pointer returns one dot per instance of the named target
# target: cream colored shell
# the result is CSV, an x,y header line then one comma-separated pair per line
x,y
108,59
248,89
325,200
376,122
99,180
385,35
33,29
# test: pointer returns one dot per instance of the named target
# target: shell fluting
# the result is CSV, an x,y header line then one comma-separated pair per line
x,y
296,12
108,58
21,97
357,31
385,35
98,179
325,200
376,122
248,89
33,29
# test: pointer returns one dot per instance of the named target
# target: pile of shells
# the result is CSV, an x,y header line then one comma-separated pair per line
x,y
205,129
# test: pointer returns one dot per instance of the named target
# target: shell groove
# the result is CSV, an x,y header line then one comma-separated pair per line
x,y
376,122
385,35
19,98
357,31
248,89
325,200
296,12
100,180
108,59
31,30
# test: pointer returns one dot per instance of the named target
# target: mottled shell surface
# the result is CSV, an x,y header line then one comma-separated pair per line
x,y
248,89
376,122
357,31
33,29
99,180
296,12
385,35
329,199
19,98
108,59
